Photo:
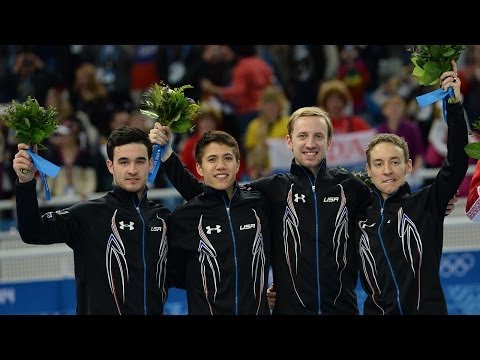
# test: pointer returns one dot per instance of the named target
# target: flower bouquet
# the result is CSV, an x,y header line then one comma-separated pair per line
x,y
171,108
430,62
32,124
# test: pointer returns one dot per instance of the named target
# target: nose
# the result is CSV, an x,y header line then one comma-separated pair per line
x,y
132,169
387,169
310,142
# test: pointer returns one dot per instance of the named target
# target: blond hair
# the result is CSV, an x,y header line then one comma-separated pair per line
x,y
310,111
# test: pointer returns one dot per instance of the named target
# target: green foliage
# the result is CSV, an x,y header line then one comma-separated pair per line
x,y
362,175
432,60
476,125
170,107
31,122
473,149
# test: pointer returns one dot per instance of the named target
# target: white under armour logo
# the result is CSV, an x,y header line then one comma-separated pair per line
x,y
299,197
388,222
216,228
123,225
365,225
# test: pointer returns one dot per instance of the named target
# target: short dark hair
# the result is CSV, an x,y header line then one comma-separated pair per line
x,y
216,136
127,135
393,139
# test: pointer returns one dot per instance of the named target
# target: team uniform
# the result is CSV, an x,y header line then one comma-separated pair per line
x,y
221,250
119,245
313,256
400,239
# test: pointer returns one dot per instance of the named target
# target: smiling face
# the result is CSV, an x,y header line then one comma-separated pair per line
x,y
219,166
309,141
387,167
130,167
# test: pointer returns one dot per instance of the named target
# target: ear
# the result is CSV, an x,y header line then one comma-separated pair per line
x,y
238,167
329,143
199,169
288,140
110,166
367,169
409,167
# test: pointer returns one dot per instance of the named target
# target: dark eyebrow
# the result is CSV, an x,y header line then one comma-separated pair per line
x,y
139,158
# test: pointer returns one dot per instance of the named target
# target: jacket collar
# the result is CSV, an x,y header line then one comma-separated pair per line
x,y
301,170
402,192
127,197
210,191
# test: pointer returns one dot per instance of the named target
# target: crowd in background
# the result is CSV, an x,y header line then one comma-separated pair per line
x,y
246,90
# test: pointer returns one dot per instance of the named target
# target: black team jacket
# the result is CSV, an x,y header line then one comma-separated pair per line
x,y
400,239
119,245
221,251
312,218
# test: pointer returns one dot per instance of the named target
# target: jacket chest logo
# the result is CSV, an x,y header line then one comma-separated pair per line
x,y
217,228
129,226
247,226
330,199
299,197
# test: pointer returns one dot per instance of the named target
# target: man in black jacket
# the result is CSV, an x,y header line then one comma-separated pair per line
x,y
313,209
220,240
119,241
400,239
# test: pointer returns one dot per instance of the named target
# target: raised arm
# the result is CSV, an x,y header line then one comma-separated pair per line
x,y
186,184
455,166
32,227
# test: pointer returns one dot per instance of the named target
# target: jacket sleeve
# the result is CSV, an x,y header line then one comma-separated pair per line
x,y
472,208
51,228
186,184
455,165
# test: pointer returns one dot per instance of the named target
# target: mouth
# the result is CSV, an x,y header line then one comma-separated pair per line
x,y
310,153
221,176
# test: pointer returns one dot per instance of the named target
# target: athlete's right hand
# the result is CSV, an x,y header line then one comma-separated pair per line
x,y
162,135
23,165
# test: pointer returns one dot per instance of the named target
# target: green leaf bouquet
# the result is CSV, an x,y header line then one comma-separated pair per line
x,y
473,149
432,60
31,122
170,107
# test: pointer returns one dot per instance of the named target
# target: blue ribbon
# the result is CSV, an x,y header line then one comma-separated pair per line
x,y
44,168
434,96
157,160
